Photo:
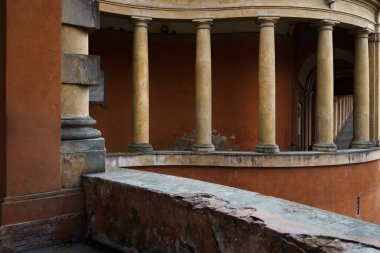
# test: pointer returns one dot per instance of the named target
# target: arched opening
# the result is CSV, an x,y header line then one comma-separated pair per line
x,y
343,91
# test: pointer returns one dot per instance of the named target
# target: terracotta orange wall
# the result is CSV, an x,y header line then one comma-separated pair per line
x,y
333,188
33,96
172,99
2,103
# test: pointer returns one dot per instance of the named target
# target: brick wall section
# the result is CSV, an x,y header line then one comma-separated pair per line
x,y
147,212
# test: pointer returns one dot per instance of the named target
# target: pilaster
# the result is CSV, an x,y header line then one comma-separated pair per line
x,y
374,81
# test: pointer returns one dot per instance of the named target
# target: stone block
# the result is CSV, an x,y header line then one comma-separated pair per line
x,y
97,92
81,157
81,69
84,13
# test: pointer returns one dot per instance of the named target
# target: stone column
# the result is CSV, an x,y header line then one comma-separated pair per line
x,y
335,117
140,84
82,148
267,87
374,80
325,88
203,87
361,91
344,109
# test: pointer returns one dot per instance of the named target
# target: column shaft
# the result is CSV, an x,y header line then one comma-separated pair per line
x,y
203,87
267,87
140,87
374,80
74,98
325,89
361,91
335,117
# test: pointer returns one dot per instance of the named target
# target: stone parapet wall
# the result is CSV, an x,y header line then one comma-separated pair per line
x,y
147,212
242,159
345,182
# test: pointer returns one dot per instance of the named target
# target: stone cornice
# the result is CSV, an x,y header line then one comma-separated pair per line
x,y
238,4
373,5
351,12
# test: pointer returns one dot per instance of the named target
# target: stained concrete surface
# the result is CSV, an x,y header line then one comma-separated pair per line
x,y
276,220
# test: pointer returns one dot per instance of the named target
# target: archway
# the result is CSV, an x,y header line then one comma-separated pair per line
x,y
305,102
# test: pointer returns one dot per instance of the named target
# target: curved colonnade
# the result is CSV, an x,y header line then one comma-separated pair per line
x,y
359,17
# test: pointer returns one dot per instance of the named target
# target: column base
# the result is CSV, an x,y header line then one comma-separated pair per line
x,y
375,143
203,147
324,147
267,148
361,144
78,128
140,148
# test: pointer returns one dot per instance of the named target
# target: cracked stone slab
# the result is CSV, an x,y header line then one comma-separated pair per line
x,y
159,212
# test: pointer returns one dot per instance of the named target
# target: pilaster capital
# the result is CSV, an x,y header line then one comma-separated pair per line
x,y
374,37
325,24
203,23
140,21
363,32
267,21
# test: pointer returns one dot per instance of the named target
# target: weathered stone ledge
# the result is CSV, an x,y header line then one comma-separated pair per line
x,y
149,212
242,159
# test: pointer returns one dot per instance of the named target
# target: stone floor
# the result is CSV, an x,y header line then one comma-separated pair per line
x,y
75,248
344,138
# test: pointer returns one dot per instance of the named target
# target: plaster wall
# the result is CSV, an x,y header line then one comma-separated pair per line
x,y
172,94
332,188
35,211
2,103
33,84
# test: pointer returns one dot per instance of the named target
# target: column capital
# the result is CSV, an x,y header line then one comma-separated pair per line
x,y
267,21
140,21
325,24
363,32
203,23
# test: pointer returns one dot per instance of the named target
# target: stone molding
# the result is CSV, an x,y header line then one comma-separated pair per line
x,y
355,13
83,13
242,159
20,209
